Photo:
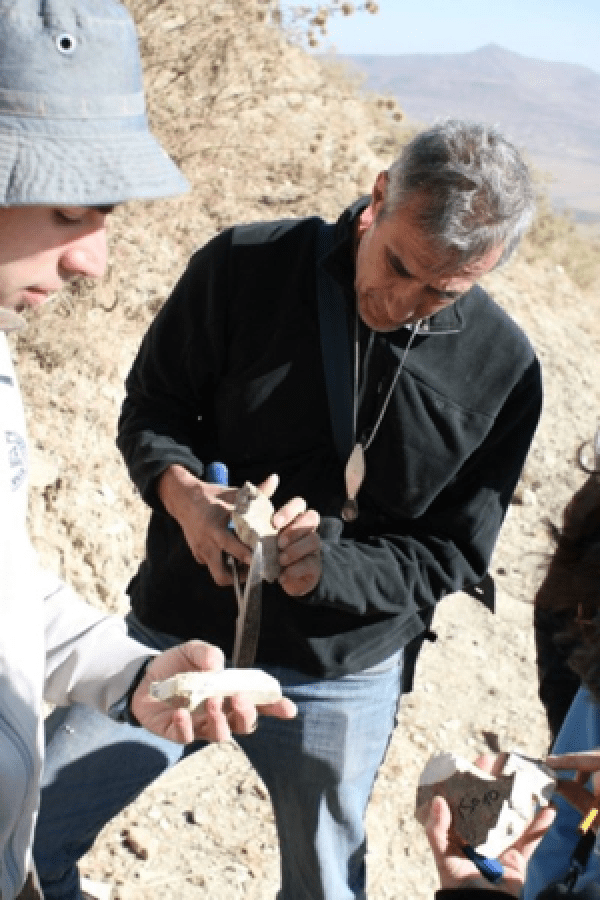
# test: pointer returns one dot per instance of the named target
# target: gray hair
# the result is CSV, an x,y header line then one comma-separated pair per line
x,y
476,189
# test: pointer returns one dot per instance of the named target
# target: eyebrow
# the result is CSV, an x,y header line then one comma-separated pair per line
x,y
398,265
401,269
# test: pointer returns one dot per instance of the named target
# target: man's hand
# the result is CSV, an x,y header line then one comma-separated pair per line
x,y
217,719
298,541
299,544
203,512
456,871
585,764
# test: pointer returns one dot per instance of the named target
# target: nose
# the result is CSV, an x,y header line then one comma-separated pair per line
x,y
87,255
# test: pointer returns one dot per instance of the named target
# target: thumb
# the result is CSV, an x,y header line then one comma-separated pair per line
x,y
202,657
534,833
269,485
438,823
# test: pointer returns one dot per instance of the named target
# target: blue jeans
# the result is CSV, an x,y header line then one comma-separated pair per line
x,y
579,732
319,770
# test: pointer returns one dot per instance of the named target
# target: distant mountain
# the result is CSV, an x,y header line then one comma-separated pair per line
x,y
550,109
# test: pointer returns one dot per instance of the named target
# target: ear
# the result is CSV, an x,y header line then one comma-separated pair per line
x,y
370,213
379,192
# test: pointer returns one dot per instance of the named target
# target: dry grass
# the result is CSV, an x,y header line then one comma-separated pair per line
x,y
555,237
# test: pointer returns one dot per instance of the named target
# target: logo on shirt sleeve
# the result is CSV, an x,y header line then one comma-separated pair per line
x,y
17,459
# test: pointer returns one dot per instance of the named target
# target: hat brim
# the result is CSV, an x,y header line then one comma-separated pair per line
x,y
98,170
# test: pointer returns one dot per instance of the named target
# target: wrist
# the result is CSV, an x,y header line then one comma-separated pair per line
x,y
173,488
123,712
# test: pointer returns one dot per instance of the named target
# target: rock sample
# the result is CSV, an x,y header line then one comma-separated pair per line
x,y
196,687
488,812
252,523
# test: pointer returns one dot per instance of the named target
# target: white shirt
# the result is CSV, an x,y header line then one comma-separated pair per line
x,y
52,646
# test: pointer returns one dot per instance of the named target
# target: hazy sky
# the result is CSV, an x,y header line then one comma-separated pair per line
x,y
560,30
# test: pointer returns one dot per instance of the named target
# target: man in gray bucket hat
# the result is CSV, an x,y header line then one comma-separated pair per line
x,y
74,141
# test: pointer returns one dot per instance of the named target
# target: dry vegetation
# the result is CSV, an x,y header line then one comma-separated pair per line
x,y
555,236
262,130
308,24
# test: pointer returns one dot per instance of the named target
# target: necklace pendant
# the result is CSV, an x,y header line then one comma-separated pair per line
x,y
354,476
350,510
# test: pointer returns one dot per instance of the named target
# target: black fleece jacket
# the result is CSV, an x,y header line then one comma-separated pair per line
x,y
231,369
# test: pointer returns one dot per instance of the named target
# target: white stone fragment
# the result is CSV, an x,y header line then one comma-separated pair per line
x,y
442,766
196,687
488,812
534,783
99,890
252,522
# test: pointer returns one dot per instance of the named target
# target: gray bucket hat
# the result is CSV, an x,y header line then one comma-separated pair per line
x,y
73,126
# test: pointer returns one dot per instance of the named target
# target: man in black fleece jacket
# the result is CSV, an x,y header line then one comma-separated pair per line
x,y
444,397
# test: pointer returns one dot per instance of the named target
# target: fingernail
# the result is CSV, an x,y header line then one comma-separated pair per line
x,y
283,542
283,558
278,521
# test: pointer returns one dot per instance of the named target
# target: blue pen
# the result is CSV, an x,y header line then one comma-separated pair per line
x,y
491,869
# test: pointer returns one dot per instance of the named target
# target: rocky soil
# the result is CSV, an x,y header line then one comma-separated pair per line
x,y
264,131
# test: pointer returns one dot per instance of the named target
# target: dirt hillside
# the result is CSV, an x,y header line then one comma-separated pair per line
x,y
263,131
